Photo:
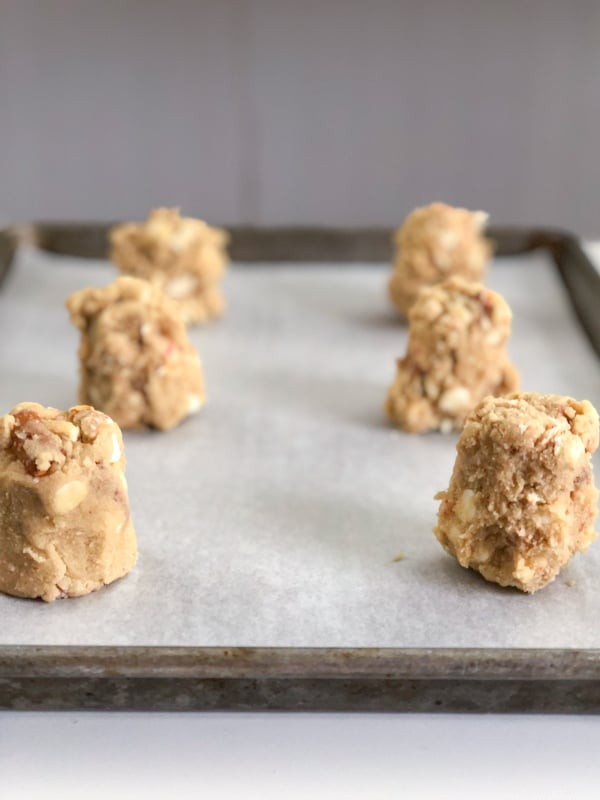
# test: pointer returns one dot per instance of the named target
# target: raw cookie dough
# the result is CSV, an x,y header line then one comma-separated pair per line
x,y
65,527
434,243
455,356
522,498
137,363
183,256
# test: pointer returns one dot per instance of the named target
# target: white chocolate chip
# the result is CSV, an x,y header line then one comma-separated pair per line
x,y
69,496
494,338
448,239
194,403
534,497
446,426
455,401
465,507
573,449
74,433
181,286
483,552
480,219
29,551
116,449
523,572
454,534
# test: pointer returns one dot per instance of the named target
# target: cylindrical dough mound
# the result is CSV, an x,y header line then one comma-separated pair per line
x,y
183,256
455,356
65,526
137,363
436,242
522,500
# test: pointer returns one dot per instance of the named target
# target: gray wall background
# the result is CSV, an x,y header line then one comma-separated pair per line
x,y
268,112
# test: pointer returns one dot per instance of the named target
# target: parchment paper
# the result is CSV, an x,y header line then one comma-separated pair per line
x,y
274,517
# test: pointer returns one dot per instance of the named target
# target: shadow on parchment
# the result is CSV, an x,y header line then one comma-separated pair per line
x,y
338,530
345,528
382,319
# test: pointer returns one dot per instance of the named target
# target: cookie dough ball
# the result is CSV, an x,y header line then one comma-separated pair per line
x,y
455,357
183,256
137,363
522,499
434,243
65,527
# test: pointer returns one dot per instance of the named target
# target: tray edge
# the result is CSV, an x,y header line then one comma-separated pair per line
x,y
388,679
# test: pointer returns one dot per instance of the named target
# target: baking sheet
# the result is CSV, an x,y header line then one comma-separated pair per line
x,y
274,517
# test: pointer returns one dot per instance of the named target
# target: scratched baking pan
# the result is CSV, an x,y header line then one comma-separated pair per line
x,y
286,553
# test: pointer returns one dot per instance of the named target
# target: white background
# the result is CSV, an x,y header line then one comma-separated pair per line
x,y
283,756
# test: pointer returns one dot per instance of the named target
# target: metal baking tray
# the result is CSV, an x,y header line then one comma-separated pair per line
x,y
284,671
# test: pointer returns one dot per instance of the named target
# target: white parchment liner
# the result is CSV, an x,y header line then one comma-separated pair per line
x,y
274,516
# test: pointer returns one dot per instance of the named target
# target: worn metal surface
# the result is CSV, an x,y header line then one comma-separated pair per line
x,y
300,679
304,244
390,679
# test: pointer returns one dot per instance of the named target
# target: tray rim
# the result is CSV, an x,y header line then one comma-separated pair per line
x,y
300,679
401,679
